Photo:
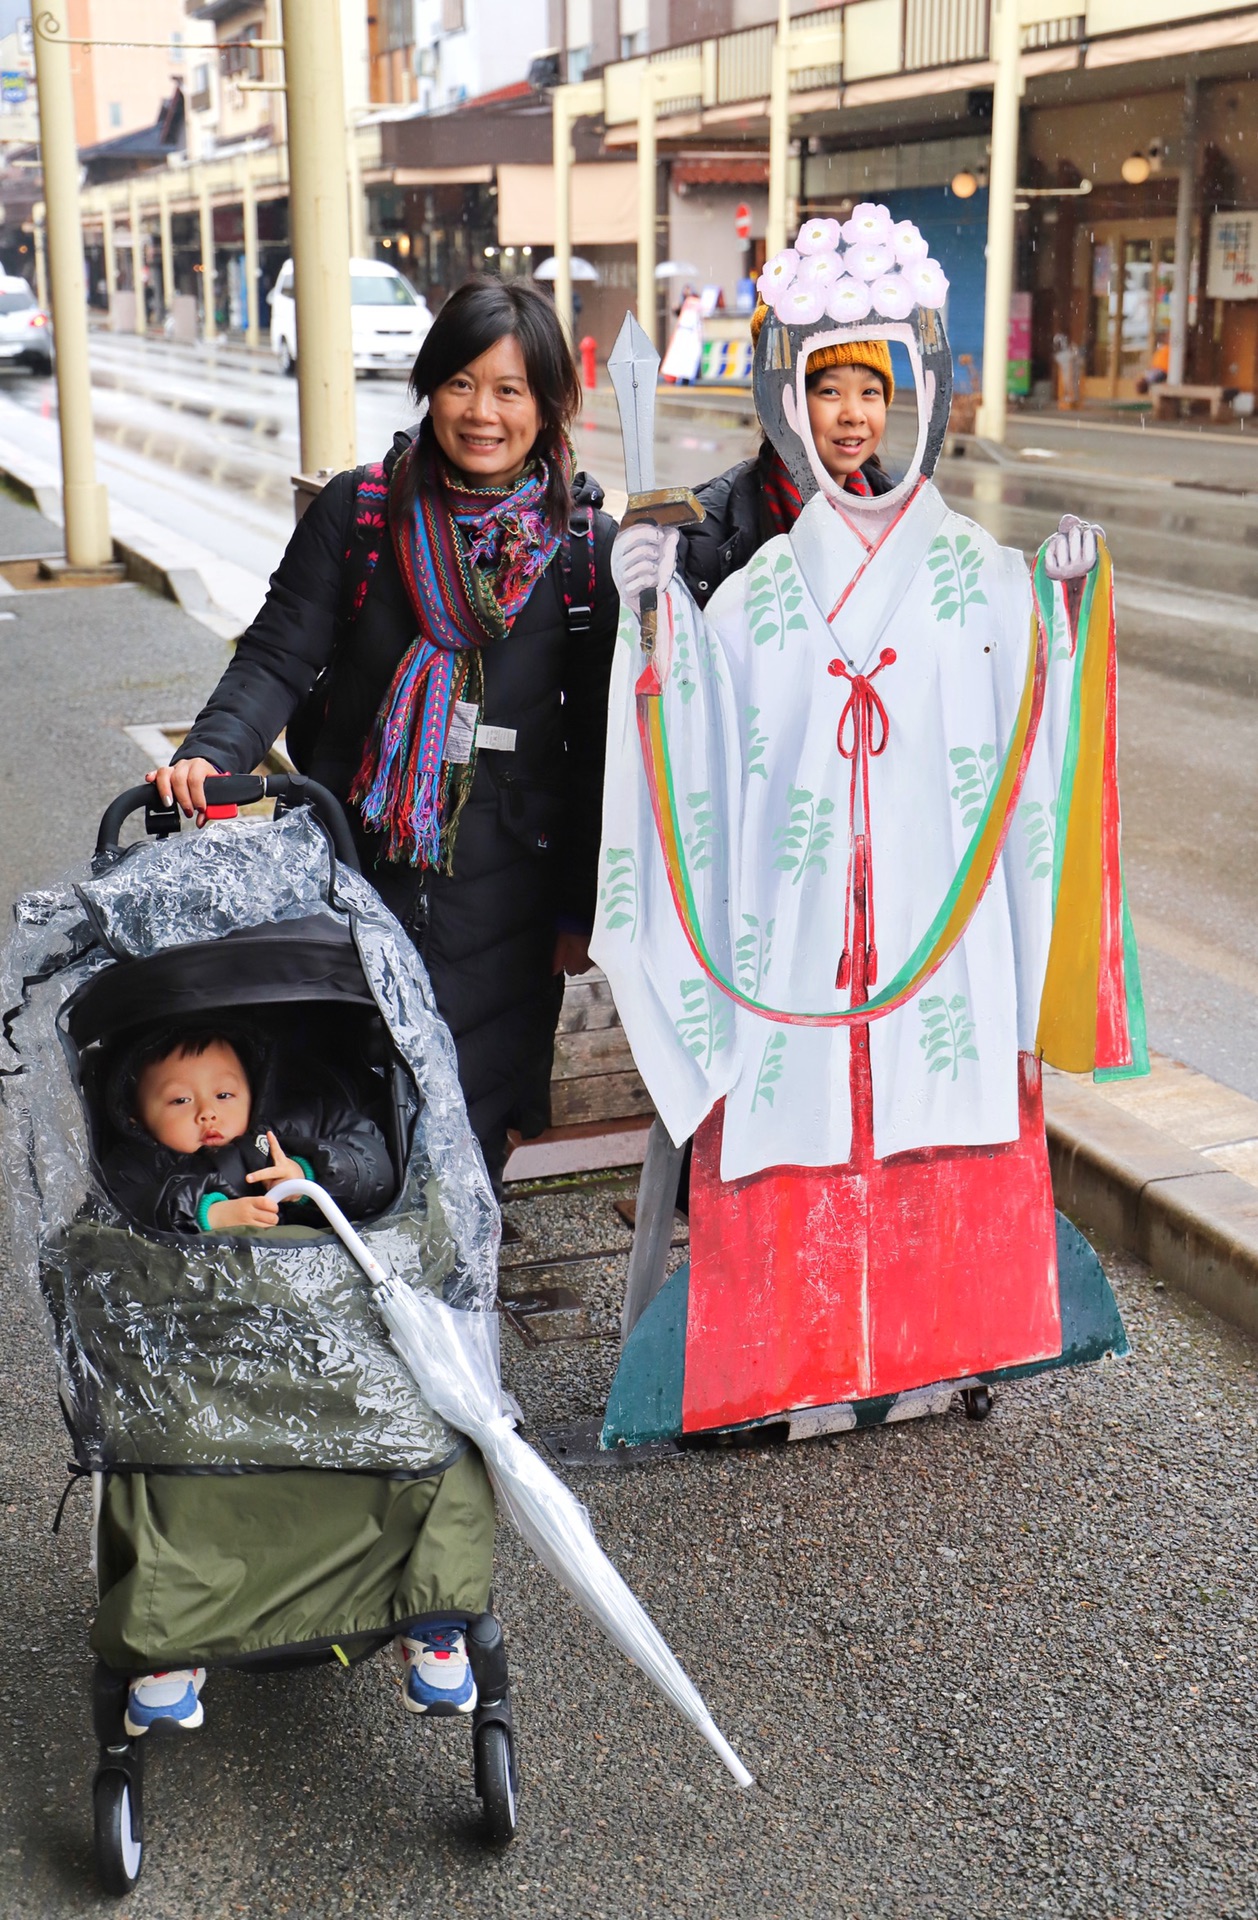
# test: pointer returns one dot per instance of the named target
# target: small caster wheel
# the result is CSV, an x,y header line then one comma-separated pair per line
x,y
119,1843
977,1402
496,1782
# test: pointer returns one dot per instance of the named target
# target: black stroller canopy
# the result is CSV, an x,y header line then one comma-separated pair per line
x,y
291,961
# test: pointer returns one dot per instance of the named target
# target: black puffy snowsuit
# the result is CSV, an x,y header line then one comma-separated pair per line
x,y
526,853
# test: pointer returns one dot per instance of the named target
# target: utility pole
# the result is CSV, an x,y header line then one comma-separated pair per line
x,y
1184,206
647,186
85,503
1006,46
168,249
205,210
137,257
568,104
319,214
779,131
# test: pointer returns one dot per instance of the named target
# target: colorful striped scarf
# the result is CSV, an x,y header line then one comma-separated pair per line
x,y
781,496
470,557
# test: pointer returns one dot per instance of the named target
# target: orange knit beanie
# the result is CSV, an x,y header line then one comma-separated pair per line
x,y
845,353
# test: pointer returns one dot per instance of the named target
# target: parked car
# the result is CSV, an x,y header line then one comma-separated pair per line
x,y
25,331
389,318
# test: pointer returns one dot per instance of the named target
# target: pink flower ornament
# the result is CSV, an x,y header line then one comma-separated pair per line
x,y
777,275
927,282
909,243
818,237
869,226
849,299
801,305
818,269
867,262
892,296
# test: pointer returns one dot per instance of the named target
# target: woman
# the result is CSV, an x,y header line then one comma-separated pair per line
x,y
850,386
466,652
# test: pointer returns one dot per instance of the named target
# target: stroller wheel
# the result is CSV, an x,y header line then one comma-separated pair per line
x,y
119,1844
495,1781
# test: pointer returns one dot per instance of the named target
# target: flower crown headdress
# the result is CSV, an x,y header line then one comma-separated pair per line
x,y
884,268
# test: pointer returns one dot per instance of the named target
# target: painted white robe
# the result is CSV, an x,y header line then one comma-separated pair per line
x,y
751,708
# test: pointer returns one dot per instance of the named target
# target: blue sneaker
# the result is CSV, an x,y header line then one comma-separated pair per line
x,y
437,1677
172,1698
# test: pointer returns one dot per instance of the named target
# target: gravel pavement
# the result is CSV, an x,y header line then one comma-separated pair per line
x,y
1003,1668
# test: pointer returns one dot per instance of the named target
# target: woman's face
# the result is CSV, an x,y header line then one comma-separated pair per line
x,y
485,417
847,411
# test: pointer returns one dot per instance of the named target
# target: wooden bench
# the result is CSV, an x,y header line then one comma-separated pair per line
x,y
1169,401
600,1110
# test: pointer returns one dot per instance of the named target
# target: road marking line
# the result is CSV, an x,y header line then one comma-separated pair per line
x,y
1192,951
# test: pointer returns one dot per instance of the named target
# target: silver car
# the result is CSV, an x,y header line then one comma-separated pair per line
x,y
25,332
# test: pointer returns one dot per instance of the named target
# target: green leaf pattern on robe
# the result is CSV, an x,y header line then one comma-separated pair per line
x,y
956,565
948,1032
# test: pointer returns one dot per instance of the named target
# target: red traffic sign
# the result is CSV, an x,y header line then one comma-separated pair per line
x,y
742,220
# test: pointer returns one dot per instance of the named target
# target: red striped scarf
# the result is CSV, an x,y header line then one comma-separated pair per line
x,y
781,495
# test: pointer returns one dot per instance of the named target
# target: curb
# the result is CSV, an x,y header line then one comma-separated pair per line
x,y
162,562
1194,1223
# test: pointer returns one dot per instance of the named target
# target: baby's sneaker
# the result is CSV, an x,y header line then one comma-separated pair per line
x,y
172,1698
436,1676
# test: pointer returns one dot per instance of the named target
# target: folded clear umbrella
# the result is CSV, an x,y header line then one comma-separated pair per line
x,y
452,1356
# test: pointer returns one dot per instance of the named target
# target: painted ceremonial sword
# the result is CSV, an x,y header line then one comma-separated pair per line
x,y
633,366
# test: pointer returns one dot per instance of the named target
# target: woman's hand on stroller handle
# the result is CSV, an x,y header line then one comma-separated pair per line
x,y
183,785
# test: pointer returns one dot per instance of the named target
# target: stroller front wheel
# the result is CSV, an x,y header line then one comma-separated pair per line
x,y
119,1842
495,1782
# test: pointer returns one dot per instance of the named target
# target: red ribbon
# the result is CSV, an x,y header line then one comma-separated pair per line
x,y
862,734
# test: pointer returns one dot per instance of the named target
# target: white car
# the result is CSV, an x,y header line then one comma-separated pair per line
x,y
25,335
389,318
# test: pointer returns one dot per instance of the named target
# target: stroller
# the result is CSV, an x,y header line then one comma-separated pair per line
x,y
190,1366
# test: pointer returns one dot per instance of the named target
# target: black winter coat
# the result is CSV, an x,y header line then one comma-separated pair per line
x,y
345,1151
736,524
526,851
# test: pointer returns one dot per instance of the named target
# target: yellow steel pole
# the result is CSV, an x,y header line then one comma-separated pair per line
x,y
249,215
111,257
647,189
205,207
41,258
85,503
561,135
137,256
779,132
1001,220
568,104
168,248
319,217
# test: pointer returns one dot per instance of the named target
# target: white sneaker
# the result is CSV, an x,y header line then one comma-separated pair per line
x,y
172,1697
438,1679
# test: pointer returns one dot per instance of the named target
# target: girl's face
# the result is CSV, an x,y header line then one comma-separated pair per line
x,y
485,417
847,411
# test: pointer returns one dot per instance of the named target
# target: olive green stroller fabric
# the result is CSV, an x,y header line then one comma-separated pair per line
x,y
262,1352
195,1569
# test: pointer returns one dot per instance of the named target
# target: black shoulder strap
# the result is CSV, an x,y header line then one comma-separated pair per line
x,y
576,570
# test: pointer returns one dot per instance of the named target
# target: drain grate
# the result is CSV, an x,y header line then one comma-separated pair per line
x,y
543,1315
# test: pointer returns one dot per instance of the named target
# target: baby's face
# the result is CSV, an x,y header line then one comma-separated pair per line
x,y
190,1101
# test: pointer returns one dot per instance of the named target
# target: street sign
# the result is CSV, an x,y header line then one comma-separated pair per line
x,y
13,87
742,221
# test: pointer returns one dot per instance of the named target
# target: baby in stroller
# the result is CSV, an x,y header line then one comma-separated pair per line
x,y
183,1101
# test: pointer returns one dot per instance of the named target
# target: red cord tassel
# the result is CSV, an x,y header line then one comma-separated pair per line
x,y
844,976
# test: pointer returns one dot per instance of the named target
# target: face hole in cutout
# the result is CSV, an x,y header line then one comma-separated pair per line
x,y
898,442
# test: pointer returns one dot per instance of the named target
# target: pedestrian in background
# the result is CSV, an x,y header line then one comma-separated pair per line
x,y
438,640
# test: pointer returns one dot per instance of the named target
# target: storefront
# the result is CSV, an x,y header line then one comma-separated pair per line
x,y
1131,278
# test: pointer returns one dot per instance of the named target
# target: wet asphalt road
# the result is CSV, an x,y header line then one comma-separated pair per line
x,y
1002,1669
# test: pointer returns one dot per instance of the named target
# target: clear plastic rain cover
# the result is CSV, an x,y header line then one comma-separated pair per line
x,y
206,1350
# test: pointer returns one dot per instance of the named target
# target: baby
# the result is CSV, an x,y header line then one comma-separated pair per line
x,y
194,1157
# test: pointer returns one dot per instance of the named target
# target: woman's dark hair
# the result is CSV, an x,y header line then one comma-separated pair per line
x,y
475,318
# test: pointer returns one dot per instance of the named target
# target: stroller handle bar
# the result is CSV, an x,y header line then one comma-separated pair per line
x,y
229,791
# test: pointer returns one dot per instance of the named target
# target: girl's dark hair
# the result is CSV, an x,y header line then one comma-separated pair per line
x,y
475,318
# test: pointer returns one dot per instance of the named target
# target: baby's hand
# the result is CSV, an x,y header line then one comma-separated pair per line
x,y
255,1210
281,1167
